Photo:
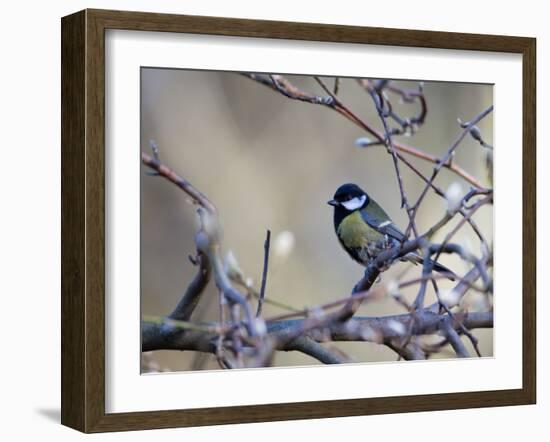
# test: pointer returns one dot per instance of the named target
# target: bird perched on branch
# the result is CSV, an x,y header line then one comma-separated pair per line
x,y
364,229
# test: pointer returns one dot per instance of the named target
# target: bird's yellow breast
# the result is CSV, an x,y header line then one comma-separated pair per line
x,y
353,231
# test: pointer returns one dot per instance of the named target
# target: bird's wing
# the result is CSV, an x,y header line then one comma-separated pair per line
x,y
383,225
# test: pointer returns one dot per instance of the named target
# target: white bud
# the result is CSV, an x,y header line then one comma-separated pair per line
x,y
449,298
397,327
363,142
467,245
393,289
316,313
249,282
231,266
260,326
283,244
453,197
371,335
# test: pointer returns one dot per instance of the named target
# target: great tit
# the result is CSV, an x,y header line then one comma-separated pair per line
x,y
364,229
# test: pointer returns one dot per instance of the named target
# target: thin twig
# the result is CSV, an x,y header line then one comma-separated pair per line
x,y
264,273
164,171
336,85
378,100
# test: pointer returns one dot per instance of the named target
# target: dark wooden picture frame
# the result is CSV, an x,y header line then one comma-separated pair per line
x,y
83,220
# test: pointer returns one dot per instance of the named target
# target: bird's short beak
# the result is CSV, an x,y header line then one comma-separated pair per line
x,y
332,203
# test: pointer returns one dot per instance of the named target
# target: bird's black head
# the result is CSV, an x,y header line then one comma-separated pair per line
x,y
349,197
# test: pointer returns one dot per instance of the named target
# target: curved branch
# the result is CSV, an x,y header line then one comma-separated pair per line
x,y
164,171
190,299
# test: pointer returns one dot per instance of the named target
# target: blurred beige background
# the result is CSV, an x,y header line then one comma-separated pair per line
x,y
269,162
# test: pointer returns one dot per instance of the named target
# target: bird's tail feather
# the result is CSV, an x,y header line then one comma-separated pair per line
x,y
417,259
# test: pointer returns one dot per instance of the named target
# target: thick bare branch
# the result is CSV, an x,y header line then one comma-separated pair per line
x,y
455,341
314,349
160,335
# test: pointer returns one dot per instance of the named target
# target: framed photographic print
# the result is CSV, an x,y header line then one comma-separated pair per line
x,y
268,220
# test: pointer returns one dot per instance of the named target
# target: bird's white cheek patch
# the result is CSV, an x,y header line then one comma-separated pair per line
x,y
354,203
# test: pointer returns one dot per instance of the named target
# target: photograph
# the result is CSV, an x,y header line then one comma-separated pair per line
x,y
300,219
